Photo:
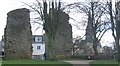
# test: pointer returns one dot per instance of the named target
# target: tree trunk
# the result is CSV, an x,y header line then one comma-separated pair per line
x,y
118,38
51,53
94,30
95,46
118,49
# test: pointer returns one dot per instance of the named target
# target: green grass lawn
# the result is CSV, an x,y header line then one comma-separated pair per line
x,y
33,63
104,63
119,63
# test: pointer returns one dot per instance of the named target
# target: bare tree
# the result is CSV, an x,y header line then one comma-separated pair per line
x,y
118,28
97,23
48,17
114,19
51,22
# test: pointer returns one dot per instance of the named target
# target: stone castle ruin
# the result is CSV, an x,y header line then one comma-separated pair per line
x,y
63,40
118,28
18,35
63,37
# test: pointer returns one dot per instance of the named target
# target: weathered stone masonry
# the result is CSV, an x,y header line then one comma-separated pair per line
x,y
63,39
18,35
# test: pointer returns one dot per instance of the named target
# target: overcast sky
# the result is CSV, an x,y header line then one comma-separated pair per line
x,y
8,5
5,7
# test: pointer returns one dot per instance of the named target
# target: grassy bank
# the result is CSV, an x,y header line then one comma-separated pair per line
x,y
104,63
33,63
119,63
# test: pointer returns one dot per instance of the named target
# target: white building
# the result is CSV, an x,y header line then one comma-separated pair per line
x,y
38,47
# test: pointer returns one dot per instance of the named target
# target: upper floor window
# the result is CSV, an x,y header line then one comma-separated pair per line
x,y
38,39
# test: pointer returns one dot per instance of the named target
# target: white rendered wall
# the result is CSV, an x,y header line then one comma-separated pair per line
x,y
40,51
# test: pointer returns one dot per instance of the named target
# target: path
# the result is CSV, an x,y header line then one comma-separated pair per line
x,y
79,62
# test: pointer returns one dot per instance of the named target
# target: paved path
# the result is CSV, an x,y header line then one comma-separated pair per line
x,y
80,62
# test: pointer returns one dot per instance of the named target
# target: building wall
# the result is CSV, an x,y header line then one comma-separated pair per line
x,y
38,49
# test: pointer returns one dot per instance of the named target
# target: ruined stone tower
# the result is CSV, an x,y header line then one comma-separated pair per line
x,y
118,28
63,39
18,35
61,32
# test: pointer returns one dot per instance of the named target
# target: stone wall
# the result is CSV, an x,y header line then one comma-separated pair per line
x,y
118,28
18,35
63,39
118,16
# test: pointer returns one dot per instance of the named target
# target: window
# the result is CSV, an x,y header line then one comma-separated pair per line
x,y
38,47
38,39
